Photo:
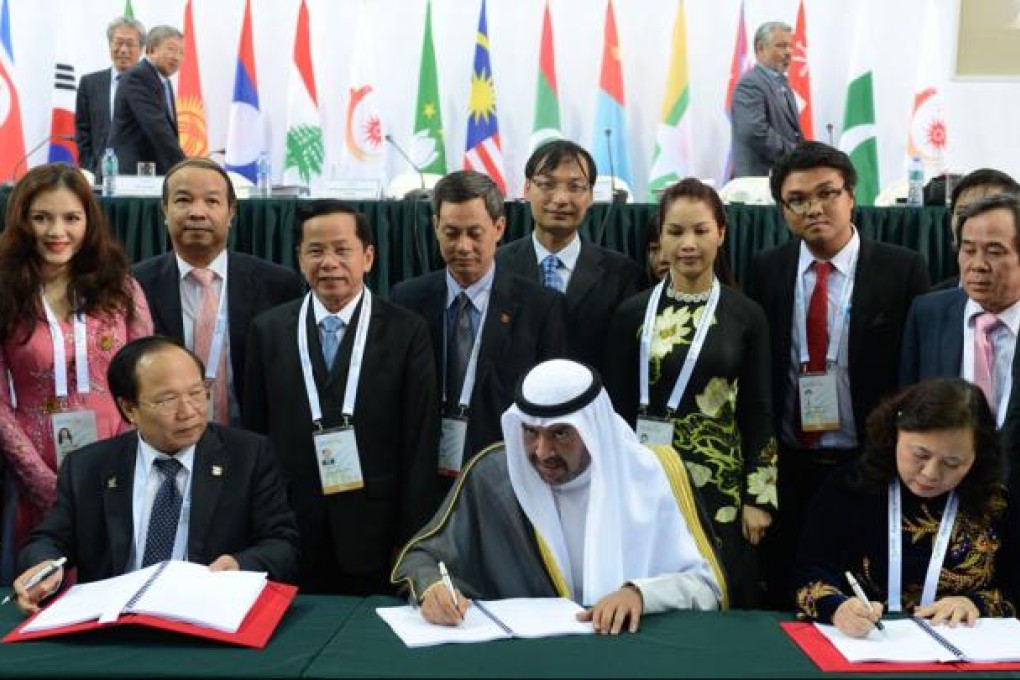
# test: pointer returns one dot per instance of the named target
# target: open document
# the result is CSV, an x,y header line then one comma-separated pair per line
x,y
490,620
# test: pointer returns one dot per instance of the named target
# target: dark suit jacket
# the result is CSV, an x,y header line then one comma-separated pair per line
x,y
92,118
396,422
240,511
253,286
888,279
600,282
764,125
933,347
524,325
143,129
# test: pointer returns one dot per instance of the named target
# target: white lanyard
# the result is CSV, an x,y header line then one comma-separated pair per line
x,y
938,552
839,323
357,354
81,354
697,343
212,362
472,367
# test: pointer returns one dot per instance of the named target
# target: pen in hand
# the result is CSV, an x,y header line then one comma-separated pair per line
x,y
448,583
40,576
859,593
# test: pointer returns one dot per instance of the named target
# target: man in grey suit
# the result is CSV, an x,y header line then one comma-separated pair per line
x,y
93,110
765,117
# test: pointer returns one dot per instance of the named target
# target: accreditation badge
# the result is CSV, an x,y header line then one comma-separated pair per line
x,y
336,453
819,402
653,431
452,440
73,430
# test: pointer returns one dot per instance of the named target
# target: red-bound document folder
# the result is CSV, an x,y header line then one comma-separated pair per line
x,y
824,654
255,630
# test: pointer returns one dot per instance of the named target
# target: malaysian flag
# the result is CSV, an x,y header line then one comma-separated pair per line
x,y
483,152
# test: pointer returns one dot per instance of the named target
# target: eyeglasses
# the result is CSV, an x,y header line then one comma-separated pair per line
x,y
130,44
801,205
573,187
196,398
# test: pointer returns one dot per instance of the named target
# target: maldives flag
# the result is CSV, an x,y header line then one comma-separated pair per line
x,y
547,104
12,141
483,151
245,132
800,75
304,160
190,105
739,65
610,143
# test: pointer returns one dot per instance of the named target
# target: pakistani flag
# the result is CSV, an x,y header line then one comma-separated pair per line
x,y
672,159
858,138
547,104
304,160
428,147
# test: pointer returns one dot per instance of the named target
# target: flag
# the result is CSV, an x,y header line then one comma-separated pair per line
x,y
245,134
858,138
610,125
672,158
190,104
304,160
63,148
12,140
129,12
739,65
483,151
363,154
547,105
428,147
928,134
800,75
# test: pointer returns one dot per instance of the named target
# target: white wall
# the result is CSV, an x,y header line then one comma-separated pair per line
x,y
981,115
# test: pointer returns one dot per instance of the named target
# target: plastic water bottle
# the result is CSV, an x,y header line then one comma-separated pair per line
x,y
109,170
915,182
263,183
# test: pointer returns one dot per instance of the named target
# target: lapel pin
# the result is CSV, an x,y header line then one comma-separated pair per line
x,y
504,317
111,483
217,471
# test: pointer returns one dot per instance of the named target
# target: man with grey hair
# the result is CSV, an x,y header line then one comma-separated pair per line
x,y
93,110
488,325
144,114
765,117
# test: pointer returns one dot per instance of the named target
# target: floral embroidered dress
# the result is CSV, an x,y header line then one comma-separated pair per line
x,y
722,427
25,430
846,530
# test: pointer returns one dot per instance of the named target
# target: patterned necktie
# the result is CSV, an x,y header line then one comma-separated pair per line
x,y
165,515
985,324
817,335
205,328
330,340
459,344
550,279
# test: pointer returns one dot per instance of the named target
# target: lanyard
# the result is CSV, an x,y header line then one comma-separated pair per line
x,y
839,323
938,552
697,343
358,353
472,368
212,362
81,355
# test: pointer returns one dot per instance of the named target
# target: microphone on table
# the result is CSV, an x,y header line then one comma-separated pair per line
x,y
421,194
828,128
45,140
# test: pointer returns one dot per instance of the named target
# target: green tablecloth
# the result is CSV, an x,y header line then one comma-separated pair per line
x,y
405,243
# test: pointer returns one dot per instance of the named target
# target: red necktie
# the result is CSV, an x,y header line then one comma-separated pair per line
x,y
817,336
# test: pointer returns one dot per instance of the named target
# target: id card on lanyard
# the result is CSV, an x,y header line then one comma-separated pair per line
x,y
336,449
651,430
453,435
938,551
71,429
818,391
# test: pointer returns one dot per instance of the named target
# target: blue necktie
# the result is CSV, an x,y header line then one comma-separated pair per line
x,y
459,345
549,277
330,342
165,515
169,99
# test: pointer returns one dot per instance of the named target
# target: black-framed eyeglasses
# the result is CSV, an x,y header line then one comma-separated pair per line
x,y
801,205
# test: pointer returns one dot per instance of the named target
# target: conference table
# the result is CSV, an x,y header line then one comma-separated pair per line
x,y
406,246
342,637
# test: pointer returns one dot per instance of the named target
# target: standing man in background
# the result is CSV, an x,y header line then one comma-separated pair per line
x,y
93,110
766,120
144,124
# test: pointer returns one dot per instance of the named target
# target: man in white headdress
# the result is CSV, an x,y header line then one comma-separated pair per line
x,y
570,505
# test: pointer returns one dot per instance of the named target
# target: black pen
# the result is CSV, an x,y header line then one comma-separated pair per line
x,y
859,592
